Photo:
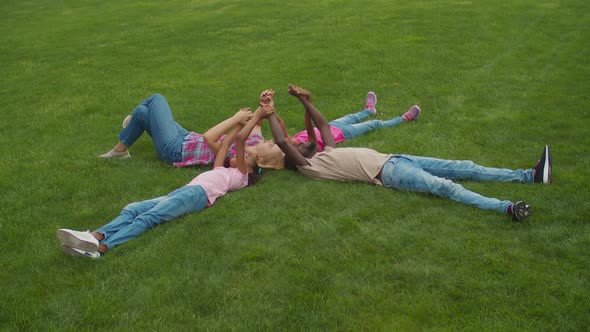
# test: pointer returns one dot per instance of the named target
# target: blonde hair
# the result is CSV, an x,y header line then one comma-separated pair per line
x,y
273,160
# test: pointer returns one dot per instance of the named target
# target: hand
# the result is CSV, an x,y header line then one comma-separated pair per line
x,y
266,98
266,110
243,115
299,92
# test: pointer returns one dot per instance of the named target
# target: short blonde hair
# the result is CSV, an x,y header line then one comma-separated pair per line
x,y
273,160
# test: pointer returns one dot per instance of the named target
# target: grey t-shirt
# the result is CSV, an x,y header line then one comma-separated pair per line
x,y
346,164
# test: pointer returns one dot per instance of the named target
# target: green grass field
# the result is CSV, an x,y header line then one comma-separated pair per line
x,y
496,80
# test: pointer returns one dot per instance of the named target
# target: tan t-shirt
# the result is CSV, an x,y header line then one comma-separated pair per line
x,y
346,164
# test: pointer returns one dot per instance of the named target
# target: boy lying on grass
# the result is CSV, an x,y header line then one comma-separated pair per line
x,y
403,172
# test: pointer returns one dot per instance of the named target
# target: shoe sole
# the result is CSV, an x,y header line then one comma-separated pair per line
x,y
72,252
126,121
521,212
547,166
73,241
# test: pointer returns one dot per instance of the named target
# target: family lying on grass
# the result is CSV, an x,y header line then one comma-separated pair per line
x,y
312,152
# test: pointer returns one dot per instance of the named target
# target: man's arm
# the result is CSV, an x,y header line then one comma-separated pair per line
x,y
282,123
280,139
278,134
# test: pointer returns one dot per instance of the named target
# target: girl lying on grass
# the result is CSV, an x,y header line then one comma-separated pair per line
x,y
136,218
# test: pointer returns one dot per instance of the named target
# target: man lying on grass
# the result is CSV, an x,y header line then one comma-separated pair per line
x,y
403,172
268,154
136,218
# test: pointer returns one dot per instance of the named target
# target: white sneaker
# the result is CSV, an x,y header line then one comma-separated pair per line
x,y
79,240
116,154
79,252
126,121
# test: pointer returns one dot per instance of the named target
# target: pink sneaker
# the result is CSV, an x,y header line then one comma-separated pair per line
x,y
412,114
370,102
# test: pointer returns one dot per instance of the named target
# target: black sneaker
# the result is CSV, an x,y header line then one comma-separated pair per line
x,y
543,167
521,211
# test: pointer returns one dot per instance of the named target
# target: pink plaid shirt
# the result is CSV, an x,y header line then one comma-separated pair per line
x,y
196,152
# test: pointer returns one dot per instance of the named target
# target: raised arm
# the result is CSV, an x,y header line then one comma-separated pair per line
x,y
309,128
278,133
241,137
318,119
213,135
280,139
282,123
224,148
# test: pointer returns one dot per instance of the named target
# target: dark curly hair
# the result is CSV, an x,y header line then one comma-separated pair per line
x,y
255,176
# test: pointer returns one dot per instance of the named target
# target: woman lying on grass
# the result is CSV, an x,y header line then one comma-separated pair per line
x,y
173,143
136,218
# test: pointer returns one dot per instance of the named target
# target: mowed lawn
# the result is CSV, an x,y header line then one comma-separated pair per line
x,y
496,80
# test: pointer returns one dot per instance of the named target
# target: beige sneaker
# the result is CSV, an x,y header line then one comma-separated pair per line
x,y
126,121
116,154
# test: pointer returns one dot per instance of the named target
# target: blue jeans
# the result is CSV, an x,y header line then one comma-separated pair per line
x,y
431,175
154,116
352,126
136,218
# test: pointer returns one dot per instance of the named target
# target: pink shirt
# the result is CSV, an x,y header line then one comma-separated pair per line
x,y
219,181
302,137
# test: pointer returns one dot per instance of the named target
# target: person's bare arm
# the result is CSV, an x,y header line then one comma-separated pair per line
x,y
257,116
310,128
213,135
318,119
282,123
281,140
224,148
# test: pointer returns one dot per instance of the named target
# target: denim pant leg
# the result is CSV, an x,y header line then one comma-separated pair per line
x,y
137,218
468,170
352,118
126,217
405,174
351,131
154,116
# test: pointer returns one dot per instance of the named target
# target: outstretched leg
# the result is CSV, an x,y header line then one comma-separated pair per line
x,y
179,202
405,174
352,129
468,170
